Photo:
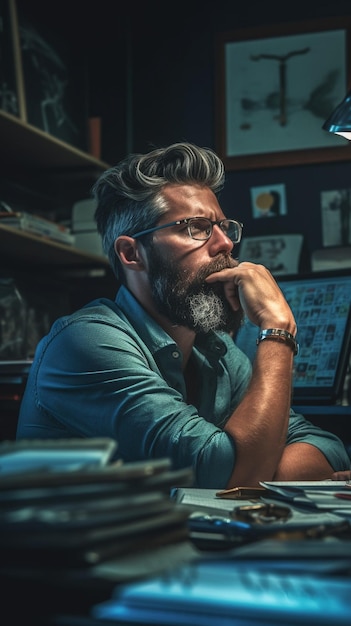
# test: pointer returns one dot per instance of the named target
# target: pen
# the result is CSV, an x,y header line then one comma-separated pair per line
x,y
242,493
343,496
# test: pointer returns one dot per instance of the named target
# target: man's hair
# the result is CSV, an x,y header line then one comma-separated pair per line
x,y
129,197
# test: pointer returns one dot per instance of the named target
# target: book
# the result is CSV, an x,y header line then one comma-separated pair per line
x,y
49,456
37,225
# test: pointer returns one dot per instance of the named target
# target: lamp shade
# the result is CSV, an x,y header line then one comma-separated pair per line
x,y
339,122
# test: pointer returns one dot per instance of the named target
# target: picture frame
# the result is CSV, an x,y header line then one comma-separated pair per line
x,y
275,87
11,78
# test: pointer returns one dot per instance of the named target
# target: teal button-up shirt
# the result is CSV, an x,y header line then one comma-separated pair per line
x,y
109,370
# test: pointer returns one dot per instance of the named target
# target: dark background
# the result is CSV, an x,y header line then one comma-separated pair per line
x,y
151,77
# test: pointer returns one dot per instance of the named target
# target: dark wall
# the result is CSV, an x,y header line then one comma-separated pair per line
x,y
174,99
152,79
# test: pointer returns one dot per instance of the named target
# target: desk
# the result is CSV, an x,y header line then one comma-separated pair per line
x,y
272,581
276,583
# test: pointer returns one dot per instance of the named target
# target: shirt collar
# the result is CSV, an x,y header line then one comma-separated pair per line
x,y
210,344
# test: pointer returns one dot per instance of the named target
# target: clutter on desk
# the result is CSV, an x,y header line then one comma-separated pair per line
x,y
322,495
222,523
225,592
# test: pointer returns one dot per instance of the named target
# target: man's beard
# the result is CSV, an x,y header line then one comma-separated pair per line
x,y
187,300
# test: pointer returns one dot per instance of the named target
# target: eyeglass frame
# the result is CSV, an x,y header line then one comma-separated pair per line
x,y
187,221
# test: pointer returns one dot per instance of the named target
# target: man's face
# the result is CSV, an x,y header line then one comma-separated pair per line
x,y
178,264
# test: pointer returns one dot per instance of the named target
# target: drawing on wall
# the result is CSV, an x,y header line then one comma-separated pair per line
x,y
279,253
276,87
336,217
268,201
280,90
54,90
8,80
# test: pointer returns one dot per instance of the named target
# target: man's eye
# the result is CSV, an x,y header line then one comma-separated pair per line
x,y
201,227
198,229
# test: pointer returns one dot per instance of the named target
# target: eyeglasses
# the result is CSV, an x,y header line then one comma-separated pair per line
x,y
201,228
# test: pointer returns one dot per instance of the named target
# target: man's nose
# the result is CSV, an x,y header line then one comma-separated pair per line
x,y
220,241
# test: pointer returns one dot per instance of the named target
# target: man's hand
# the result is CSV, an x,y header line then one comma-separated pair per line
x,y
343,475
252,287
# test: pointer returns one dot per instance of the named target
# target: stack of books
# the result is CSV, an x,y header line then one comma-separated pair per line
x,y
37,225
74,523
65,504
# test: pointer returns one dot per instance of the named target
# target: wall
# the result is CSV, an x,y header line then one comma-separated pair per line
x,y
174,99
152,79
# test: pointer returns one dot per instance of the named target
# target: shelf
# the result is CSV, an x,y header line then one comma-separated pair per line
x,y
19,247
30,147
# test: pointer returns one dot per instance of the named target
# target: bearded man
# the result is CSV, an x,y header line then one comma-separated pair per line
x,y
158,369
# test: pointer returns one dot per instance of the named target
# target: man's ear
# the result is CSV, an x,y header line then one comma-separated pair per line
x,y
128,253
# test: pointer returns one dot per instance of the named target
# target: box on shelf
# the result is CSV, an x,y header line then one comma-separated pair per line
x,y
84,227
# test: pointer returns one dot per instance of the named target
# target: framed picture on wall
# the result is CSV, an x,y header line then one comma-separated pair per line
x,y
54,82
276,86
11,80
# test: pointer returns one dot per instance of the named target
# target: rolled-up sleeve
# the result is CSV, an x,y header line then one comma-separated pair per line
x,y
301,430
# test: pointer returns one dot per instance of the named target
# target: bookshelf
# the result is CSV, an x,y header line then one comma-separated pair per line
x,y
26,145
20,247
32,153
60,277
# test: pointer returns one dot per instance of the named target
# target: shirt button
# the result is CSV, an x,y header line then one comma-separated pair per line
x,y
175,354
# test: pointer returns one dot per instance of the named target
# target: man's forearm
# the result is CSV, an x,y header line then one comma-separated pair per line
x,y
259,424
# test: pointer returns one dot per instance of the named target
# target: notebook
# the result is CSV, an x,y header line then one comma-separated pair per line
x,y
321,303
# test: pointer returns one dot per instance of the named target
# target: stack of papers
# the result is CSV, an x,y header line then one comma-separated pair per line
x,y
37,225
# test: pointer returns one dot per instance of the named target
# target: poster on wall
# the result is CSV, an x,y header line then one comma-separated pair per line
x,y
54,84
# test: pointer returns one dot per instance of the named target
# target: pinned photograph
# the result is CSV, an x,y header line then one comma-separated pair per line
x,y
268,201
279,253
336,217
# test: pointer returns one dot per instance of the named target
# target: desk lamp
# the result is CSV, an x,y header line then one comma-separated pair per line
x,y
339,122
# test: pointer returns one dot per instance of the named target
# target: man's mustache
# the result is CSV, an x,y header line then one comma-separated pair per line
x,y
221,262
